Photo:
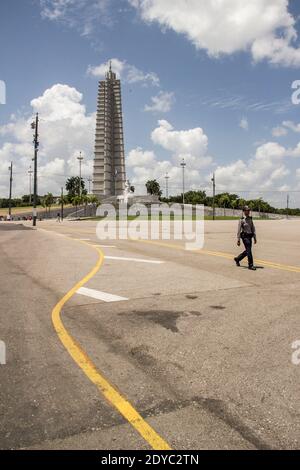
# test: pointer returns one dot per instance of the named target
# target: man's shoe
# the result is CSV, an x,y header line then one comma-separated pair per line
x,y
237,262
252,268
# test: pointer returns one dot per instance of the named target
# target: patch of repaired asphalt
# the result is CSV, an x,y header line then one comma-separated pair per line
x,y
165,318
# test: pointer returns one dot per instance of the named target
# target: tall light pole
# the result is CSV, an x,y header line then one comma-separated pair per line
x,y
287,206
62,204
10,187
183,165
35,127
167,177
214,196
80,159
30,172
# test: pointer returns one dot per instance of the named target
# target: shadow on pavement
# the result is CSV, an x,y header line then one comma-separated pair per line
x,y
6,227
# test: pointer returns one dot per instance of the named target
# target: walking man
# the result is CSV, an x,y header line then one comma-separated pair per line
x,y
246,232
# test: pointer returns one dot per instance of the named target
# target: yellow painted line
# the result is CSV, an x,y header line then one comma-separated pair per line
x,y
84,362
269,264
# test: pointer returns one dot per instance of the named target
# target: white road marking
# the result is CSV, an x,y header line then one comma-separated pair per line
x,y
136,260
83,239
105,246
96,294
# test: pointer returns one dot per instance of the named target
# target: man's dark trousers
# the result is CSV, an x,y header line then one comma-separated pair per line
x,y
247,240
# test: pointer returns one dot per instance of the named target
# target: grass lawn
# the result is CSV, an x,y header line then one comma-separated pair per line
x,y
28,210
19,210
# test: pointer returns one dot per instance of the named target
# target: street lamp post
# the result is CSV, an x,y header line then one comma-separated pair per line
x,y
10,188
35,127
30,172
183,165
214,196
62,204
80,159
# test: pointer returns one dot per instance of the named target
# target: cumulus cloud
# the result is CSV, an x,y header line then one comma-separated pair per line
x,y
141,169
262,171
265,170
137,157
161,103
129,73
65,130
192,145
263,27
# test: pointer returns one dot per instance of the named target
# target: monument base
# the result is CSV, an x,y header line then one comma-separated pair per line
x,y
146,200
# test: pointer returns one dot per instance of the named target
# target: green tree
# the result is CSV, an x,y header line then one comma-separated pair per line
x,y
63,200
94,200
73,187
224,200
77,201
195,197
48,201
153,188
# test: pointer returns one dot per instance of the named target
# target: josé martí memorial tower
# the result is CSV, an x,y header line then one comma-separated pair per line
x,y
109,164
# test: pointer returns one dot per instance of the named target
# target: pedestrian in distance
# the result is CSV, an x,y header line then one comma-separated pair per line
x,y
246,233
58,218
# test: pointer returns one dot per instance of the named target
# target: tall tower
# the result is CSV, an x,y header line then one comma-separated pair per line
x,y
109,163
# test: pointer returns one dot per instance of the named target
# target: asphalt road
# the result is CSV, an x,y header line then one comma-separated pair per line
x,y
179,349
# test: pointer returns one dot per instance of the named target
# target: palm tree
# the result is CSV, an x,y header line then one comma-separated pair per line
x,y
63,200
153,188
75,186
77,201
48,202
224,201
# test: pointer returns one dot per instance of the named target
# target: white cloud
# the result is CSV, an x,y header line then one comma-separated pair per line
x,y
99,71
244,124
129,73
141,170
286,126
65,130
137,157
161,103
292,126
279,131
82,15
263,27
265,170
192,145
261,171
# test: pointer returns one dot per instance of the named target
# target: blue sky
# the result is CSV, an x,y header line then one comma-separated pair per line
x,y
220,81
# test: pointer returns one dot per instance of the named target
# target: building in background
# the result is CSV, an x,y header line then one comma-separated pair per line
x,y
109,165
